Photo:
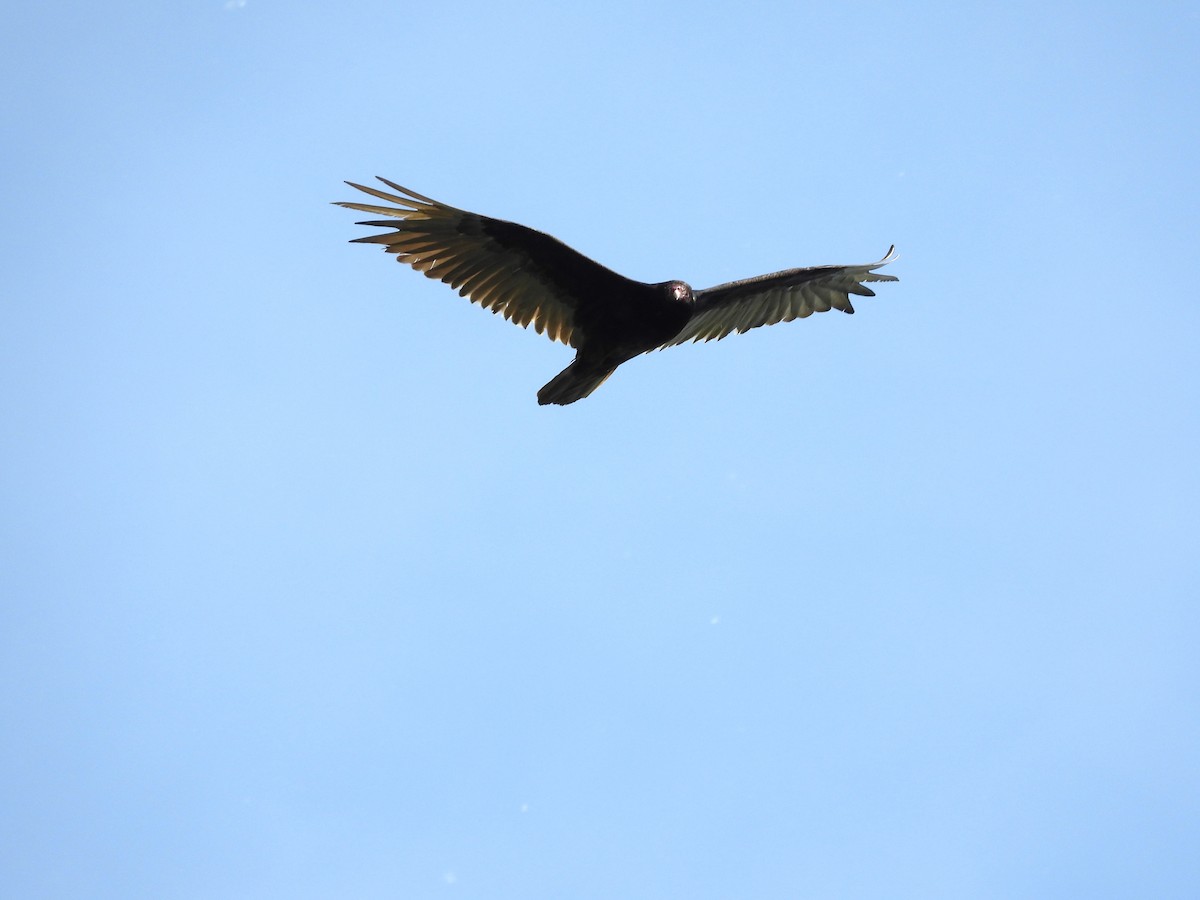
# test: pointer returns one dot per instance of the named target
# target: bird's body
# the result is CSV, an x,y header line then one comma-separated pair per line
x,y
533,278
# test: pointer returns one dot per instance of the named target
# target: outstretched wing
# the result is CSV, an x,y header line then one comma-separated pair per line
x,y
779,297
528,276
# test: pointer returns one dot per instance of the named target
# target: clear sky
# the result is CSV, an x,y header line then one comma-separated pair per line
x,y
304,596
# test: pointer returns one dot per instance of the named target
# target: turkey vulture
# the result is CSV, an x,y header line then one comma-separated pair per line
x,y
608,318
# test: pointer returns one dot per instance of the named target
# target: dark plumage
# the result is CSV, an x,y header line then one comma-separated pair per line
x,y
532,278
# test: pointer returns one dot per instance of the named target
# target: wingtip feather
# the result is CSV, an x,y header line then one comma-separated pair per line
x,y
404,190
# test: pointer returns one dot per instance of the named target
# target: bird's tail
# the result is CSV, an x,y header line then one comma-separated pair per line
x,y
573,383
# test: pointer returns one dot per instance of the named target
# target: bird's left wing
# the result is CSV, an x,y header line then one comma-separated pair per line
x,y
779,297
528,276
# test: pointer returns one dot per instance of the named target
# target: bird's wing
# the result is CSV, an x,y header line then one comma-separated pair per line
x,y
528,276
779,297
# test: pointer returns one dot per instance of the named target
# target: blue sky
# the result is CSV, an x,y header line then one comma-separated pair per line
x,y
305,596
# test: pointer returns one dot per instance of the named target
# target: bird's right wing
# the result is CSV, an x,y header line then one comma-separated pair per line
x,y
779,297
528,276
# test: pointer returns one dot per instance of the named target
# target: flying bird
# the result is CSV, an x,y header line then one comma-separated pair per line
x,y
535,279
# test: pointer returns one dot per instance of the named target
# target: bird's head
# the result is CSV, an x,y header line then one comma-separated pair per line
x,y
679,291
